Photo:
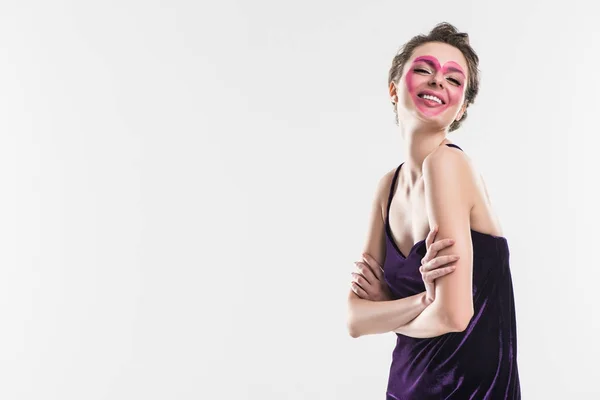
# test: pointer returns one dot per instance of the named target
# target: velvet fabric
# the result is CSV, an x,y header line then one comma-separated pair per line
x,y
477,364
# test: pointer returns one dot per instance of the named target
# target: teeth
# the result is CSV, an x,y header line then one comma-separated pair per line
x,y
429,97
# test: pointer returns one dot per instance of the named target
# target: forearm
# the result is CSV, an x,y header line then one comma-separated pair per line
x,y
370,317
429,323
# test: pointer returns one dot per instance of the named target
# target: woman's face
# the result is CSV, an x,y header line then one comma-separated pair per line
x,y
432,86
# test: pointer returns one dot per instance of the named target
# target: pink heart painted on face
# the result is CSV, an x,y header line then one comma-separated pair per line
x,y
417,82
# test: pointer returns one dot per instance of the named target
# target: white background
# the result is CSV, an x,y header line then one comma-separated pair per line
x,y
185,187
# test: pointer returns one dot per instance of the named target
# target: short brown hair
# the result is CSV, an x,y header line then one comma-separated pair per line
x,y
445,33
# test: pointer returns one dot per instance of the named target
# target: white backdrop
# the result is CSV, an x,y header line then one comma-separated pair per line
x,y
185,187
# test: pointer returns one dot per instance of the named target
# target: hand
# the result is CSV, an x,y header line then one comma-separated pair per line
x,y
431,266
368,283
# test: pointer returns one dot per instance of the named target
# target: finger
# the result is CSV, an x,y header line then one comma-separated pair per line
x,y
428,243
442,244
375,270
431,236
438,262
375,266
359,291
435,248
435,274
366,272
362,282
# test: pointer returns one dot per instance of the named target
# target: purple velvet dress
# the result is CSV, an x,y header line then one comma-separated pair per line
x,y
477,364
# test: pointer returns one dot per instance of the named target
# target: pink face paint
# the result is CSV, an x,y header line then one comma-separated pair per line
x,y
417,83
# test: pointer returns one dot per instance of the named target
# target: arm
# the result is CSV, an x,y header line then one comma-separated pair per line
x,y
448,187
370,317
367,317
430,323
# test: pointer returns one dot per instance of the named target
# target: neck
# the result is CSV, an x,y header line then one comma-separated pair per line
x,y
419,142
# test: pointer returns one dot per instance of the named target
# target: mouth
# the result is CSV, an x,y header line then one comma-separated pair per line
x,y
431,96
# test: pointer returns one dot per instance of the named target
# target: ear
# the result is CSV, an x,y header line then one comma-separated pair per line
x,y
393,93
463,109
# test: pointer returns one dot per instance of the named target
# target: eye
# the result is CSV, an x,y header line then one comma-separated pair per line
x,y
456,82
420,70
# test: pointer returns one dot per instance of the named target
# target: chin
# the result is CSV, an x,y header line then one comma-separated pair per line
x,y
434,123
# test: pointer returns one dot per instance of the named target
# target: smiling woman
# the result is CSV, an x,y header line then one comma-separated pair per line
x,y
463,77
448,297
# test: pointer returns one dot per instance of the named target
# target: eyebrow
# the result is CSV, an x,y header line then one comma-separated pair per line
x,y
432,64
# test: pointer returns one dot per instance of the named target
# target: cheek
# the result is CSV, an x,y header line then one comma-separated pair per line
x,y
455,95
409,83
412,81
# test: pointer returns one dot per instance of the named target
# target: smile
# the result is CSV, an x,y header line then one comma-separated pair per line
x,y
431,97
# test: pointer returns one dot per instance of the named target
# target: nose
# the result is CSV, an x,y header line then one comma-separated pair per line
x,y
436,80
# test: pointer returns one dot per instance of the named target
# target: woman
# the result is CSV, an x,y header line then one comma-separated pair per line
x,y
448,297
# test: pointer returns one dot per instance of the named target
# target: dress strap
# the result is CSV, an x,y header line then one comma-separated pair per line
x,y
387,216
453,145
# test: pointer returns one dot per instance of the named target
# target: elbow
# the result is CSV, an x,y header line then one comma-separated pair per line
x,y
458,323
453,321
353,329
353,332
352,323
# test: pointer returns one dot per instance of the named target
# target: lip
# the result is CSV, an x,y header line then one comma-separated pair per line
x,y
432,93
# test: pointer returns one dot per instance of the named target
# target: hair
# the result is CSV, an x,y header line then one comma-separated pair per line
x,y
444,33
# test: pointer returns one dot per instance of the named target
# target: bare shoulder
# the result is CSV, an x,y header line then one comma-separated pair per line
x,y
448,168
454,164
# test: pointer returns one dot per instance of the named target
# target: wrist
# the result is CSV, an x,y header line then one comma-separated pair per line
x,y
426,301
